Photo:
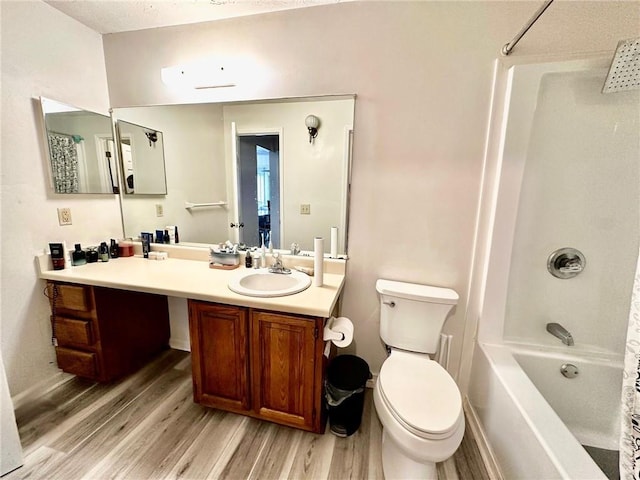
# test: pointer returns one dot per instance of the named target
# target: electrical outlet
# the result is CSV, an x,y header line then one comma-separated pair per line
x,y
64,216
159,210
305,209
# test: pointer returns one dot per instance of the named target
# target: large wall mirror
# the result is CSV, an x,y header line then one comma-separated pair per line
x,y
248,171
80,149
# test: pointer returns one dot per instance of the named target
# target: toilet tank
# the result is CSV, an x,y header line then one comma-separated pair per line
x,y
412,315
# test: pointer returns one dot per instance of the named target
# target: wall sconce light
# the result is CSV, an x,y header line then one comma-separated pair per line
x,y
313,123
152,137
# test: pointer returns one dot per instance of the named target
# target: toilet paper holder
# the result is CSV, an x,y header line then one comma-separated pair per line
x,y
339,331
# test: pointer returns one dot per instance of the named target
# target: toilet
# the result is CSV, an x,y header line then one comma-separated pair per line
x,y
417,401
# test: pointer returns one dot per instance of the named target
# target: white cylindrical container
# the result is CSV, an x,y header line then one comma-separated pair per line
x,y
318,261
334,242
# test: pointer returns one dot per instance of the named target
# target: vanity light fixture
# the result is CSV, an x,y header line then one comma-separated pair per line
x,y
199,75
313,123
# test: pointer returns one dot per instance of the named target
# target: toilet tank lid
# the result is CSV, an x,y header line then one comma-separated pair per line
x,y
414,291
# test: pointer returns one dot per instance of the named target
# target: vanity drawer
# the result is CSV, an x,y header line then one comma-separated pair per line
x,y
71,297
73,331
77,362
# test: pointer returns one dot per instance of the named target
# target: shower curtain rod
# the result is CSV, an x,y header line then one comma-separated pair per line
x,y
506,50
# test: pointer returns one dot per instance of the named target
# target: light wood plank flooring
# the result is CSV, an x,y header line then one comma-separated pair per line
x,y
146,426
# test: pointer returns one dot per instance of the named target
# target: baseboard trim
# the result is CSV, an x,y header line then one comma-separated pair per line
x,y
486,453
183,345
371,383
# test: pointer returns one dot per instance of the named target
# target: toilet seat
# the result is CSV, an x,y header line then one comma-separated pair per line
x,y
420,395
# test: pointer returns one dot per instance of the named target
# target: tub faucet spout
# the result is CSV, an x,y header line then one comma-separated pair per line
x,y
562,333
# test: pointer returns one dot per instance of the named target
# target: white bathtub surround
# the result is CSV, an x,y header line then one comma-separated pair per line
x,y
629,436
560,170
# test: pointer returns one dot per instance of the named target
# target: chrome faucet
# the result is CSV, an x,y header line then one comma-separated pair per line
x,y
562,333
295,249
277,266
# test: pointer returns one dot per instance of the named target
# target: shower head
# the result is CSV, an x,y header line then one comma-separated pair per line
x,y
624,73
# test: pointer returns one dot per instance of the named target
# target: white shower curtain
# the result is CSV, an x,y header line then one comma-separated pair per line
x,y
630,432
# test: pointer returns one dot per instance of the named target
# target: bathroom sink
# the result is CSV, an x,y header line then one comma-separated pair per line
x,y
262,283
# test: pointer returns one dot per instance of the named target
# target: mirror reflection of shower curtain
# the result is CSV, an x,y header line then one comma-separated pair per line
x,y
630,432
64,163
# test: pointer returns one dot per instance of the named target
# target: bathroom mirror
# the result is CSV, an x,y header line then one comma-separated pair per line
x,y
244,171
80,149
141,159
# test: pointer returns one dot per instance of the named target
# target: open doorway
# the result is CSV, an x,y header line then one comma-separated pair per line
x,y
259,188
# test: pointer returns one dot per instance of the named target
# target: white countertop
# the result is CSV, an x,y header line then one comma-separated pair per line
x,y
192,279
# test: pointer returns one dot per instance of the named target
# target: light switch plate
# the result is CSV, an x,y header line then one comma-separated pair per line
x,y
305,209
159,210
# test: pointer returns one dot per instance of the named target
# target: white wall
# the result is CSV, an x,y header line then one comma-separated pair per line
x,y
43,53
422,72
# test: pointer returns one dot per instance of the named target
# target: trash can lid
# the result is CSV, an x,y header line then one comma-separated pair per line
x,y
348,372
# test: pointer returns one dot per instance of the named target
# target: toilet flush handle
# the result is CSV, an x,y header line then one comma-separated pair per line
x,y
391,303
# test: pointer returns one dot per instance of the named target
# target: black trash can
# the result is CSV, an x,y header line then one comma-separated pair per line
x,y
347,377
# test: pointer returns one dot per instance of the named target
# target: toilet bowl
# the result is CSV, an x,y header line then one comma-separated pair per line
x,y
420,408
417,401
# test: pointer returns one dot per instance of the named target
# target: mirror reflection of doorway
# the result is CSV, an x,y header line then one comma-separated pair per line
x,y
259,188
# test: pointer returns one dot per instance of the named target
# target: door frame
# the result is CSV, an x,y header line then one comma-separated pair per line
x,y
238,132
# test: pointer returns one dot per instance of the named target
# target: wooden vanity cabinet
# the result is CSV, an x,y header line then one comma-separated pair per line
x,y
103,333
220,356
259,363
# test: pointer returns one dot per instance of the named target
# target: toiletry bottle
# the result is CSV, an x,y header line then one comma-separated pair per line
x,y
159,236
177,240
68,257
247,260
263,254
167,238
57,255
104,252
256,260
113,249
79,257
92,255
146,243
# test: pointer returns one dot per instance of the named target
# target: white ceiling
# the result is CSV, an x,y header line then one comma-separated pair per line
x,y
111,16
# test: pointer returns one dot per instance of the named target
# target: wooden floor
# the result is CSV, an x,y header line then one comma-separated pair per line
x,y
146,426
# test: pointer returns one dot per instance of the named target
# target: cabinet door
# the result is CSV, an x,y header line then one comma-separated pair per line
x,y
283,368
219,355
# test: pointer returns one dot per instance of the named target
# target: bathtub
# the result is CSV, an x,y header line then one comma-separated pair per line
x,y
532,419
536,419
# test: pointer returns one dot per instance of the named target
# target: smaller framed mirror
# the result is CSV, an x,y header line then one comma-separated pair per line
x,y
80,148
142,156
